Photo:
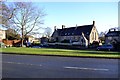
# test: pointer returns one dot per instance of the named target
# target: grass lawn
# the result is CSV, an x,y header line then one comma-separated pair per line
x,y
62,52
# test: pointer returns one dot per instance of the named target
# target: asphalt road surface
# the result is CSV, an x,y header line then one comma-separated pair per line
x,y
30,66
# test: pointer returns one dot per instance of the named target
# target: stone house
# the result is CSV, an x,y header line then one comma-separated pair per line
x,y
112,36
31,39
81,35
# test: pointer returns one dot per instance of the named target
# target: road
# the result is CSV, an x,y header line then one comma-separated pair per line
x,y
31,66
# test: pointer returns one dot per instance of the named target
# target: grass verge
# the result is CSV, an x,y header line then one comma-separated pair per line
x,y
62,52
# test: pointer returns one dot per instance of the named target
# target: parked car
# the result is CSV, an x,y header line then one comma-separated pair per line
x,y
108,47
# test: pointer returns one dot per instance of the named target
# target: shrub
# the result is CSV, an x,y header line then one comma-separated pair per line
x,y
117,46
2,45
94,44
65,41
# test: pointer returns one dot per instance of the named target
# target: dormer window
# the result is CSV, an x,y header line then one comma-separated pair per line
x,y
110,38
65,33
87,32
68,33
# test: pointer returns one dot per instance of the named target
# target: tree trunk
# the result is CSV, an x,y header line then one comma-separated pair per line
x,y
22,37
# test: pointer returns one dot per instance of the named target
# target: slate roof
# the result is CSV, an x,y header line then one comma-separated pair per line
x,y
113,33
75,31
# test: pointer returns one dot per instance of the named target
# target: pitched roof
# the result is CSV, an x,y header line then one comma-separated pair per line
x,y
74,31
113,33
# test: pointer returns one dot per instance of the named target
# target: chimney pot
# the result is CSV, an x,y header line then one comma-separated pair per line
x,y
63,26
54,28
76,25
114,29
93,23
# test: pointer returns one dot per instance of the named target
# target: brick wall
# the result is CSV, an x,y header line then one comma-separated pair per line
x,y
11,42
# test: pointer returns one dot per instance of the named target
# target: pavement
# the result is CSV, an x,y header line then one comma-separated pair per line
x,y
31,66
104,57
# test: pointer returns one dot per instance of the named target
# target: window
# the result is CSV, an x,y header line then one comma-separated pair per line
x,y
87,32
65,33
95,35
82,40
92,35
68,33
76,38
109,38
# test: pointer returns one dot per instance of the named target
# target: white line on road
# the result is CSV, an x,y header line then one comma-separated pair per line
x,y
81,68
23,63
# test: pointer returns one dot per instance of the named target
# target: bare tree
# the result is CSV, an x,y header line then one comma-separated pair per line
x,y
27,18
48,32
12,34
6,13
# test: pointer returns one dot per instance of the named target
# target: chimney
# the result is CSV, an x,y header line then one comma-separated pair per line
x,y
114,29
55,28
76,25
93,23
119,28
63,26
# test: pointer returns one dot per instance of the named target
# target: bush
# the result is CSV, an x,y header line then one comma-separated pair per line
x,y
94,44
2,45
117,46
65,41
35,44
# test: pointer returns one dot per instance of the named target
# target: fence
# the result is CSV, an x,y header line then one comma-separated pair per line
x,y
12,42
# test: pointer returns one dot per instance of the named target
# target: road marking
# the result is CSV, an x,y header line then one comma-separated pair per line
x,y
13,55
23,63
81,68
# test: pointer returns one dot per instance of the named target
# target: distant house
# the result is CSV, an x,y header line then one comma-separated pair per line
x,y
2,35
82,35
44,40
31,39
112,36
